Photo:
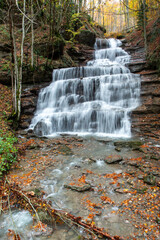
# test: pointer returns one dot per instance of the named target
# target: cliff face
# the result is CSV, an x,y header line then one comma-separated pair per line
x,y
145,119
153,42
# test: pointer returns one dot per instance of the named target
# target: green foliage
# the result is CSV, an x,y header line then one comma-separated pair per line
x,y
5,65
4,32
8,152
76,22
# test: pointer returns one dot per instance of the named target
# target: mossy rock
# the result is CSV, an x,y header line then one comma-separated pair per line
x,y
135,145
63,149
83,188
67,60
86,37
150,179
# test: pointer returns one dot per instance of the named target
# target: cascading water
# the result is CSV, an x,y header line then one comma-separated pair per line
x,y
97,98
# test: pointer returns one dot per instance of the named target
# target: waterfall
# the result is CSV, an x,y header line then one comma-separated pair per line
x,y
94,99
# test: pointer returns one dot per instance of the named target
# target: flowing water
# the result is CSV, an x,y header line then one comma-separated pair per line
x,y
97,98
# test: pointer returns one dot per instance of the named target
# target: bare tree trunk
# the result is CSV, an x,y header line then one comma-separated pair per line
x,y
103,15
12,52
32,30
99,11
19,83
120,16
127,14
144,25
16,72
93,10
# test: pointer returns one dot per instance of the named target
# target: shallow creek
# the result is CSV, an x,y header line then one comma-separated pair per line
x,y
86,157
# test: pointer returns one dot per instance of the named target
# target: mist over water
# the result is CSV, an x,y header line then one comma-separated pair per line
x,y
94,99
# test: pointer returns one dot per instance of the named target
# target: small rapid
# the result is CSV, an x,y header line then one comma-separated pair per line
x,y
94,99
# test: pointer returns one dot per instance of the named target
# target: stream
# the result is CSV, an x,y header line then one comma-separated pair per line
x,y
88,109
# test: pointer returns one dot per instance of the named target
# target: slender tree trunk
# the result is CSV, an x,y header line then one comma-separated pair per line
x,y
93,10
103,16
99,11
12,53
127,13
19,87
120,16
144,25
32,30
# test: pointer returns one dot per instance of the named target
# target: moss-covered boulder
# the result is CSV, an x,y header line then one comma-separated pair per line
x,y
86,37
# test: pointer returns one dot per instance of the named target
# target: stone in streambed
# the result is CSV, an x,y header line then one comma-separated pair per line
x,y
134,144
113,159
83,188
63,149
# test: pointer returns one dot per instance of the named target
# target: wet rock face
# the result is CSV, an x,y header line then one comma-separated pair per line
x,y
145,118
137,66
28,107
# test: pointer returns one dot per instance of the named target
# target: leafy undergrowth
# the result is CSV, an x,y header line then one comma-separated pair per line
x,y
8,151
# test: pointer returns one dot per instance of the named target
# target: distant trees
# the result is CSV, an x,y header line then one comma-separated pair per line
x,y
122,14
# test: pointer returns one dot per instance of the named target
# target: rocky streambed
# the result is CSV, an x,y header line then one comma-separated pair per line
x,y
111,183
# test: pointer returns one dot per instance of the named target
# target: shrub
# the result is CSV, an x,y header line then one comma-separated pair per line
x,y
8,152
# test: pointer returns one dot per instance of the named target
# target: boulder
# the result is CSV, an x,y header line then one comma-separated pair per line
x,y
77,188
134,144
113,159
86,37
41,129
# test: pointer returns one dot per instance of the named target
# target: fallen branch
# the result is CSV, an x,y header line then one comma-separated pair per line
x,y
35,203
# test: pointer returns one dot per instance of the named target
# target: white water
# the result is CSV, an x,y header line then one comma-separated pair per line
x,y
97,98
